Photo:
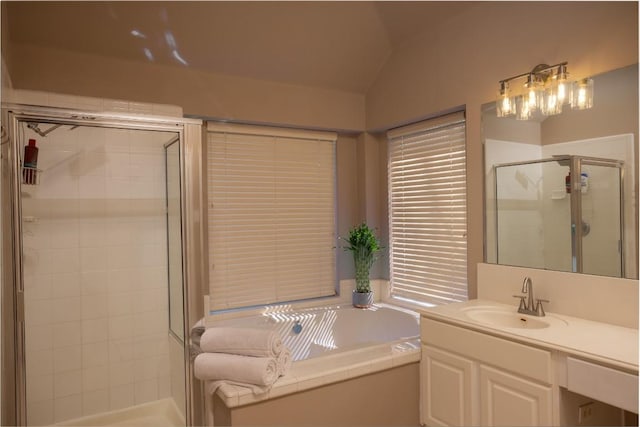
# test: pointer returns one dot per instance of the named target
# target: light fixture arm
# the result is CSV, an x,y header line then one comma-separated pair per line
x,y
539,71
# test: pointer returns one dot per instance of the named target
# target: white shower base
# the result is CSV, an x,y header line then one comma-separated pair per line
x,y
161,413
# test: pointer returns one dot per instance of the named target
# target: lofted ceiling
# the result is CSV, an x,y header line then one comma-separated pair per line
x,y
335,45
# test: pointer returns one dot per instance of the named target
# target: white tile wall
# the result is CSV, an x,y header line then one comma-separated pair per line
x,y
95,273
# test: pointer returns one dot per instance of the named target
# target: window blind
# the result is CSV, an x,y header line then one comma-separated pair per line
x,y
427,210
271,201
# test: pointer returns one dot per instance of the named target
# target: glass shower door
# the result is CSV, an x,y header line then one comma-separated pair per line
x,y
95,275
602,245
533,214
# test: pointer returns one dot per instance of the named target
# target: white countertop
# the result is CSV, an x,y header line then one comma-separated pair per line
x,y
610,344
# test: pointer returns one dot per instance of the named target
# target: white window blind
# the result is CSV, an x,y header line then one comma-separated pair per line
x,y
427,210
271,201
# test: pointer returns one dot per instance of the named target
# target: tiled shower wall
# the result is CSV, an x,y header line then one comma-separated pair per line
x,y
95,274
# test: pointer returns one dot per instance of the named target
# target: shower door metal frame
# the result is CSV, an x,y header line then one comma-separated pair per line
x,y
575,169
576,206
14,114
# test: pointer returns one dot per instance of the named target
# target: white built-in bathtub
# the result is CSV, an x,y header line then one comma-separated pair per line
x,y
335,343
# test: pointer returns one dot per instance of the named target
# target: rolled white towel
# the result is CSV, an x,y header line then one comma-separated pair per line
x,y
196,331
284,361
244,341
261,371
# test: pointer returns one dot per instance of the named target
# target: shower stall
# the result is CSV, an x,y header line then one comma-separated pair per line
x,y
95,268
563,213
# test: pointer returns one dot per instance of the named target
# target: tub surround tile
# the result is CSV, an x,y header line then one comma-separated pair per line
x,y
287,384
67,407
121,396
382,363
406,358
67,383
360,369
230,393
41,413
94,402
321,371
96,378
66,358
40,388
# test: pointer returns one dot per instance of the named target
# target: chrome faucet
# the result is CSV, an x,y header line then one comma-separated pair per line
x,y
529,306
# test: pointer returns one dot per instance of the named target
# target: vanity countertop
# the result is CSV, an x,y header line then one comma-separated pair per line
x,y
613,345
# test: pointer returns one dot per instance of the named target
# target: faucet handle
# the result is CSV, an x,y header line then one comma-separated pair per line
x,y
523,304
539,309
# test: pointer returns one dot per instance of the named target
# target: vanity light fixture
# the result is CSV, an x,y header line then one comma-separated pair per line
x,y
546,89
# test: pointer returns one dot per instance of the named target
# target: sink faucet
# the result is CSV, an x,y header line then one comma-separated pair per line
x,y
529,306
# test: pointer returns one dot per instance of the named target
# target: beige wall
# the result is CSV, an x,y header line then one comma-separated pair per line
x,y
198,93
489,42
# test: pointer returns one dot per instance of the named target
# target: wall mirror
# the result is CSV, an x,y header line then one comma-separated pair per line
x,y
561,191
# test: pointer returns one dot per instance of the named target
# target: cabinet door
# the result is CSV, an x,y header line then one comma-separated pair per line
x,y
509,400
446,386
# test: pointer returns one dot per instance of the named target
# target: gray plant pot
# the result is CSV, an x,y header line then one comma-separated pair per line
x,y
362,299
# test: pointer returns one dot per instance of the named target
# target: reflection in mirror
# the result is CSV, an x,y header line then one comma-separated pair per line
x,y
537,203
561,191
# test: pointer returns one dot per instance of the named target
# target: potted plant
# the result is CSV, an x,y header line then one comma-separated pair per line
x,y
364,245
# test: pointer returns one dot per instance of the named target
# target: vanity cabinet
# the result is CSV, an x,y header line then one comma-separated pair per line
x,y
471,378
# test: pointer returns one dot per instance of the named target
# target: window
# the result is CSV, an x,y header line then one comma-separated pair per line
x,y
427,210
271,201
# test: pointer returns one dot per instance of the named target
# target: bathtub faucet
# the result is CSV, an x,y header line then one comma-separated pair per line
x,y
297,327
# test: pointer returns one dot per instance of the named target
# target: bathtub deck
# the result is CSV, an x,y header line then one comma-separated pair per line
x,y
332,368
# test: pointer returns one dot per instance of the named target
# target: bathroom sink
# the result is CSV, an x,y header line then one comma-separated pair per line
x,y
511,319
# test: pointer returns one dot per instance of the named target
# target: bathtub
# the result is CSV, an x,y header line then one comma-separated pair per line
x,y
329,345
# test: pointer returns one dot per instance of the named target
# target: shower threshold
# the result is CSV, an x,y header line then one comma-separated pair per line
x,y
160,413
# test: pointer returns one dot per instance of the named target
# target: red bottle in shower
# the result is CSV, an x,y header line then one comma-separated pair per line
x,y
30,162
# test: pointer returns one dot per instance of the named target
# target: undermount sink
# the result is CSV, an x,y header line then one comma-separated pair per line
x,y
511,319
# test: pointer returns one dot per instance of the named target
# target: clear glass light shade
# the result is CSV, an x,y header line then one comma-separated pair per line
x,y
551,103
563,85
505,104
533,94
523,112
582,94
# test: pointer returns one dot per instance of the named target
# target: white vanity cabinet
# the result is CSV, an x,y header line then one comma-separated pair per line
x,y
472,378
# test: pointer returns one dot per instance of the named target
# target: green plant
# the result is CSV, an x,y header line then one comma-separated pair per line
x,y
364,245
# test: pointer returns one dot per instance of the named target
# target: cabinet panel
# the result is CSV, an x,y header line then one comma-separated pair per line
x,y
518,358
508,400
447,388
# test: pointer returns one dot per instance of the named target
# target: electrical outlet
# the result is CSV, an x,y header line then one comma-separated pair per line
x,y
585,412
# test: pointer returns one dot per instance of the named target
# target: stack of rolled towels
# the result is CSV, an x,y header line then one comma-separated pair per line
x,y
254,358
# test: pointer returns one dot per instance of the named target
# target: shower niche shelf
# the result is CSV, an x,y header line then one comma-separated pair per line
x,y
31,176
